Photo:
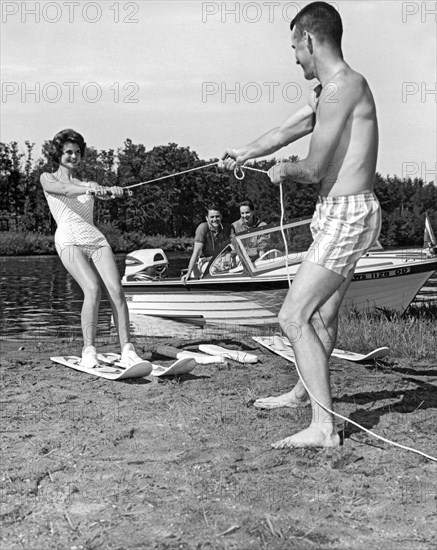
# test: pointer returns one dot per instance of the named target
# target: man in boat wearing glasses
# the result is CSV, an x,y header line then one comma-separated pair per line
x,y
341,118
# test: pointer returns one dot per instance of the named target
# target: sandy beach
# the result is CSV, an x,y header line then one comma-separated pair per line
x,y
186,463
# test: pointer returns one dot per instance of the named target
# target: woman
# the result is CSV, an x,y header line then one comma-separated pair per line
x,y
248,218
255,246
82,248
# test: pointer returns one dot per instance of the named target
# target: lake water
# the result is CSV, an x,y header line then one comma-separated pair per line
x,y
38,298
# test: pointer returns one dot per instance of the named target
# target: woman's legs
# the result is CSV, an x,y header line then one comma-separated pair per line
x,y
104,263
77,264
88,275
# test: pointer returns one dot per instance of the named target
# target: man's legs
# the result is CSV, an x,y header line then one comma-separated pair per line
x,y
316,293
325,323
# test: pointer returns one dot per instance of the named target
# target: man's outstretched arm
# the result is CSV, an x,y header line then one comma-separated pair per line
x,y
331,121
296,126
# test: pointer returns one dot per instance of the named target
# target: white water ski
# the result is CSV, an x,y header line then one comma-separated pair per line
x,y
240,356
200,358
113,372
281,346
183,365
352,356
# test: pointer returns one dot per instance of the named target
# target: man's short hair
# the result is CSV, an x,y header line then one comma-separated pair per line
x,y
320,19
212,206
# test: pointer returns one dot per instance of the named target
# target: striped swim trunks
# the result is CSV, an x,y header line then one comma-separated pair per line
x,y
343,229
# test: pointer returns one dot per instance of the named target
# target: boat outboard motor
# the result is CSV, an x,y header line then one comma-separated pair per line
x,y
149,264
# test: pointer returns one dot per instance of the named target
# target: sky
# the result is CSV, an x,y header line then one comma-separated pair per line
x,y
208,75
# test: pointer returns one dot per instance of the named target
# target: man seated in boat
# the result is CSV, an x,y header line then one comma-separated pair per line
x,y
257,245
209,239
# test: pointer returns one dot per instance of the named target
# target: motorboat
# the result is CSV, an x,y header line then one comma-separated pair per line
x,y
240,288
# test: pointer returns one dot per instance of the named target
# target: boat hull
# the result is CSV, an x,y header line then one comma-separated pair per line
x,y
257,300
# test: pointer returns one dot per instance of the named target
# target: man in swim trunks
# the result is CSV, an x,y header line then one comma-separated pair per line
x,y
341,117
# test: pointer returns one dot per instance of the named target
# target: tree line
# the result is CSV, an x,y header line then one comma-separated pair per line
x,y
174,207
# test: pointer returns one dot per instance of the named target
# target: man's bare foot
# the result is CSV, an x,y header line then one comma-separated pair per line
x,y
285,400
310,437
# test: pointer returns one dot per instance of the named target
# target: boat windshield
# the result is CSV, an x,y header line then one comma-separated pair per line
x,y
265,248
262,249
226,263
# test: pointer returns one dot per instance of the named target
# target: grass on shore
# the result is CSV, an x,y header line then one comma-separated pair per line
x,y
409,336
412,335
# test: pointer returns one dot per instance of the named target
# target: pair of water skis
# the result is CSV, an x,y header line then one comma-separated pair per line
x,y
111,367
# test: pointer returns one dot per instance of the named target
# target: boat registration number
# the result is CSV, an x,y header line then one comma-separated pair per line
x,y
382,274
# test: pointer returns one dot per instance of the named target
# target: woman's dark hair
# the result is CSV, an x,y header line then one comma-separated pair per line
x,y
248,203
321,19
61,138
